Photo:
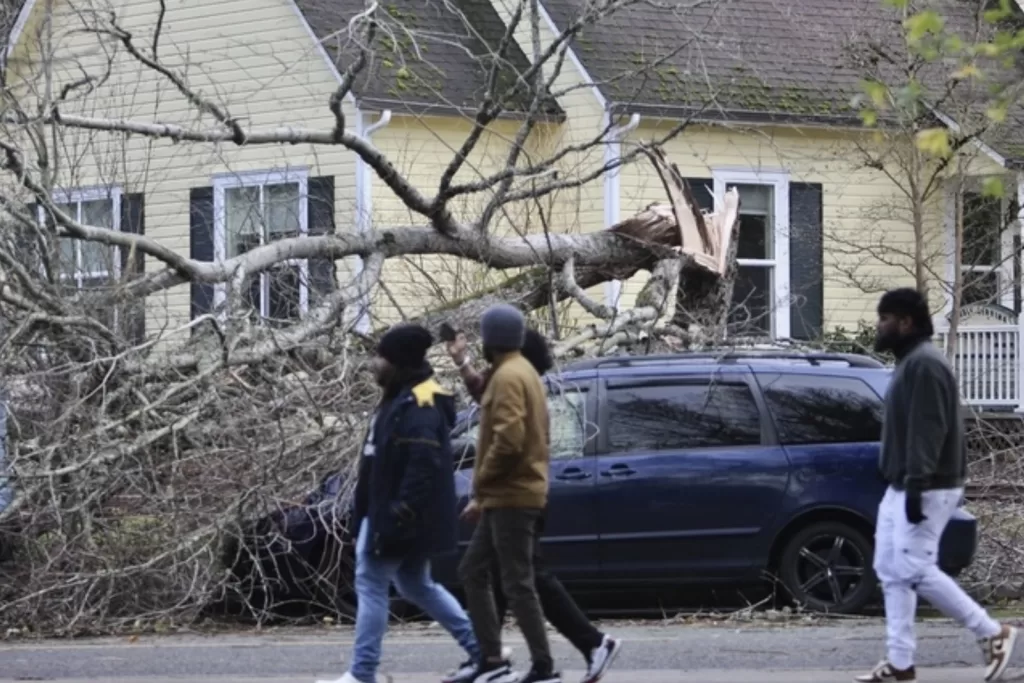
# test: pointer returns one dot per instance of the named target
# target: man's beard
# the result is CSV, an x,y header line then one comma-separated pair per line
x,y
887,341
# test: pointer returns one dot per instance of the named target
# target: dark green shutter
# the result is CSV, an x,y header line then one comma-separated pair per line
x,y
806,261
201,245
320,221
133,221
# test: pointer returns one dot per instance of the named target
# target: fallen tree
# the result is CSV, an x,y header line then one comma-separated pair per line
x,y
139,466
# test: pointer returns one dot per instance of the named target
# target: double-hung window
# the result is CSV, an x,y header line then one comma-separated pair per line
x,y
256,209
760,304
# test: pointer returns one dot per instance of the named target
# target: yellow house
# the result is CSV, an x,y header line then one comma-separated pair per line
x,y
763,87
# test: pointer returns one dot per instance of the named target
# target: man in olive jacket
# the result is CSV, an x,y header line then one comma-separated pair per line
x,y
510,492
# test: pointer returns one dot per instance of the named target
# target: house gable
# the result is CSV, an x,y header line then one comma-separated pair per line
x,y
427,58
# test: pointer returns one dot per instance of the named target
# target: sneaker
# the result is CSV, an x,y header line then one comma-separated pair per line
x,y
600,659
998,651
349,678
466,672
535,676
885,672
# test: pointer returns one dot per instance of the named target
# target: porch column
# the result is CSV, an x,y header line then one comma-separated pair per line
x,y
1018,351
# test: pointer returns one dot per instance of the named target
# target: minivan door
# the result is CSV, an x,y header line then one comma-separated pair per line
x,y
569,541
689,480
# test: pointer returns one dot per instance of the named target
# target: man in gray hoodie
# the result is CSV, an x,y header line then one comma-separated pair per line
x,y
923,459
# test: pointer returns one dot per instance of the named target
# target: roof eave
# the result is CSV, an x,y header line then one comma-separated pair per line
x,y
719,115
414,108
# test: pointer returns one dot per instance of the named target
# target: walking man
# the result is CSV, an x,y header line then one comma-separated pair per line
x,y
510,489
405,500
598,649
923,459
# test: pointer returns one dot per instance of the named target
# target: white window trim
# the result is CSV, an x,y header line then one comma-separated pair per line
x,y
224,181
779,181
1005,265
87,194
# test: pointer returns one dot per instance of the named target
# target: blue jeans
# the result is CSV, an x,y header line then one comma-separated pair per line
x,y
411,576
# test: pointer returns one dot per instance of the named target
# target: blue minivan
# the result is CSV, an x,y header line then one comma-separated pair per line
x,y
715,468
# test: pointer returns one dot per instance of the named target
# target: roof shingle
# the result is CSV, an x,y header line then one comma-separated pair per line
x,y
428,55
766,60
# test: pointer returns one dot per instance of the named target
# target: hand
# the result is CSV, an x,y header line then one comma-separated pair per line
x,y
914,513
471,513
457,348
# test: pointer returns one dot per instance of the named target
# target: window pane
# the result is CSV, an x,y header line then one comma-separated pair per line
x,y
983,224
242,219
282,210
284,293
682,416
251,293
811,410
980,287
99,213
70,209
565,410
755,239
67,257
97,259
752,302
756,199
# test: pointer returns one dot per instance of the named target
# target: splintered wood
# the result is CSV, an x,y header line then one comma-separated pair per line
x,y
703,236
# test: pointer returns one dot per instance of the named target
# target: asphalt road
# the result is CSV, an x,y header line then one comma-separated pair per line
x,y
661,653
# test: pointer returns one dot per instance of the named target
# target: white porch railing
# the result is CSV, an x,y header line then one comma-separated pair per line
x,y
987,361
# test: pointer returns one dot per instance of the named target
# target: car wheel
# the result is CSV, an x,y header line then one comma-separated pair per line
x,y
826,567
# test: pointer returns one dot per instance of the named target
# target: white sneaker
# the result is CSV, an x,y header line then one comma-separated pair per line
x,y
601,658
998,652
349,678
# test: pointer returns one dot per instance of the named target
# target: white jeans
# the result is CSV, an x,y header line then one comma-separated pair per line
x,y
906,562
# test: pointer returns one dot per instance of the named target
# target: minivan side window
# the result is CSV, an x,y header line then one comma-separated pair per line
x,y
680,416
823,409
566,412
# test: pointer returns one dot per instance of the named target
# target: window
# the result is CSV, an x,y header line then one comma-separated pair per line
x,y
981,261
567,415
680,416
819,410
760,304
256,209
88,265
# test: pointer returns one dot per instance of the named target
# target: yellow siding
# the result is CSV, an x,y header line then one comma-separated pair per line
x,y
254,57
421,148
867,225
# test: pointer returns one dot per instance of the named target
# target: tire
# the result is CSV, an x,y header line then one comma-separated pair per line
x,y
841,580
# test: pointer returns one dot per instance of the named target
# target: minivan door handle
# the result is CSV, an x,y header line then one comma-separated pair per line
x,y
573,474
619,470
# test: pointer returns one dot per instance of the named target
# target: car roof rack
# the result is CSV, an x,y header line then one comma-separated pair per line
x,y
853,360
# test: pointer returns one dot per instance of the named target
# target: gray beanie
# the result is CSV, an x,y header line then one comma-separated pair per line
x,y
503,328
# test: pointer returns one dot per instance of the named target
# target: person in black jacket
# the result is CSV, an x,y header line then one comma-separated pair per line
x,y
405,506
923,460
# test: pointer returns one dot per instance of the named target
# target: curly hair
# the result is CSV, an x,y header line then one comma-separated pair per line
x,y
535,349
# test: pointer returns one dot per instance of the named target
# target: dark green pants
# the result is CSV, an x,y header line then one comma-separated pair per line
x,y
510,535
